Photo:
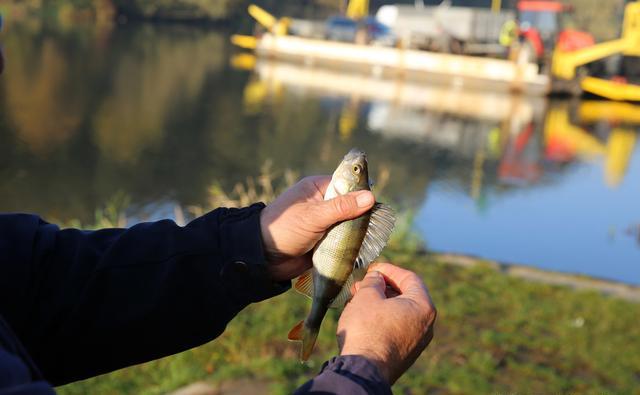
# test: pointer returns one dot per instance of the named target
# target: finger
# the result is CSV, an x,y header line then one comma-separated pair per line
x,y
405,281
310,188
329,212
320,183
372,286
355,287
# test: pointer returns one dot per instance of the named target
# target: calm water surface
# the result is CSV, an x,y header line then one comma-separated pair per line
x,y
161,113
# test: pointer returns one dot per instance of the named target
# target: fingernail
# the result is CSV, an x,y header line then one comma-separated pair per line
x,y
374,274
364,199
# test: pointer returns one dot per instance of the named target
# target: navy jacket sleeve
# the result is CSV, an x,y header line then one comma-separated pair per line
x,y
88,302
349,374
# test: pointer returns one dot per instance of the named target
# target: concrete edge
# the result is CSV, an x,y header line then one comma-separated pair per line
x,y
607,287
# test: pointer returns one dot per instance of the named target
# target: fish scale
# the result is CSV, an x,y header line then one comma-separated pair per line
x,y
336,253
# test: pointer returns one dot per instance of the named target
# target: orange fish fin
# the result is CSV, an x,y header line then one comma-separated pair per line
x,y
295,334
304,284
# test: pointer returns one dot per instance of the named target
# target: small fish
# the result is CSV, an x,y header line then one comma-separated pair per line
x,y
343,254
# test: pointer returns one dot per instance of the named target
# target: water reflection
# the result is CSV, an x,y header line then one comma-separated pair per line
x,y
155,74
158,113
519,135
517,179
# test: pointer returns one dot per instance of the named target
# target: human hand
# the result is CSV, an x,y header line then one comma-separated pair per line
x,y
389,320
293,223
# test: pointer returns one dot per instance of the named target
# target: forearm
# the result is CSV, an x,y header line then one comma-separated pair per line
x,y
98,301
350,374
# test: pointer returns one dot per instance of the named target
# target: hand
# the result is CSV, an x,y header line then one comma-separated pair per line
x,y
293,224
388,321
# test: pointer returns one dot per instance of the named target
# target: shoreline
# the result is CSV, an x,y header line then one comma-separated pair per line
x,y
575,281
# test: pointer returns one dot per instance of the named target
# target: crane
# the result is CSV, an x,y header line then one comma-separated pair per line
x,y
566,63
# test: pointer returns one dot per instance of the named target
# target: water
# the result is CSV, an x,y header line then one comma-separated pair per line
x,y
161,113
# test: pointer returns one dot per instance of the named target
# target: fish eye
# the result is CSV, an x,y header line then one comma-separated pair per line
x,y
357,169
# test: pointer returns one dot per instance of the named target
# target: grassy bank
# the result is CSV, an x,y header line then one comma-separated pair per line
x,y
495,334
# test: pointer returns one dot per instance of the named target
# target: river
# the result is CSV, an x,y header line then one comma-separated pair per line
x,y
160,113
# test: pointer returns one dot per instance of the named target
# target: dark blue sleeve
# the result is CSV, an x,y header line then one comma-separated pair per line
x,y
89,302
348,374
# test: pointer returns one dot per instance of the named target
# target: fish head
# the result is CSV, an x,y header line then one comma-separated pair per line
x,y
352,174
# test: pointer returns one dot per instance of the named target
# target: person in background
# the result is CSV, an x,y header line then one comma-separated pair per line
x,y
75,304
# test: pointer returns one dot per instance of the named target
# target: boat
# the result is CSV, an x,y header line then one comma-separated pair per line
x,y
540,62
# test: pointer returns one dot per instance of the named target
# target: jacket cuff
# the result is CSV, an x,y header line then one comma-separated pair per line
x,y
347,374
244,272
361,370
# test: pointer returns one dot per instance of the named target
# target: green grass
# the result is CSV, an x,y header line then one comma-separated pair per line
x,y
495,334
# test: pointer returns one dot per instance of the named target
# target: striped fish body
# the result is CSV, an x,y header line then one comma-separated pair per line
x,y
333,263
342,256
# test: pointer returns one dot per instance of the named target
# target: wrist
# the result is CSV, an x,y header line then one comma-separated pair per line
x,y
270,256
265,235
244,272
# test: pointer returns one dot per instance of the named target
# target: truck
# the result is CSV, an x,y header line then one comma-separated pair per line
x,y
445,28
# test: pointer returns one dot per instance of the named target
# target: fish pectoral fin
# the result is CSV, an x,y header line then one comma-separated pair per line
x,y
304,284
295,334
381,225
345,294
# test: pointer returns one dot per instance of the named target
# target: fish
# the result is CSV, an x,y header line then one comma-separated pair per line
x,y
342,256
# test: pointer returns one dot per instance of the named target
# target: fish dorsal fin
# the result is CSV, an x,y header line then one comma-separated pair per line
x,y
381,225
304,284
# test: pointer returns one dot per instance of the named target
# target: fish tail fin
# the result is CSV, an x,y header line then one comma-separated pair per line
x,y
307,336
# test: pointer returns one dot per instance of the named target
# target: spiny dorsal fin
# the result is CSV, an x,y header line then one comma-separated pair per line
x,y
381,225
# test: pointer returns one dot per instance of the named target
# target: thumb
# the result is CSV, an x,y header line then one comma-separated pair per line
x,y
341,208
372,286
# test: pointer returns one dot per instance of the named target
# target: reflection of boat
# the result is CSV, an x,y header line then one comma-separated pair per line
x,y
491,106
515,133
404,109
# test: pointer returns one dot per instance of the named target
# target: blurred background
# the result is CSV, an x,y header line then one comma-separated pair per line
x,y
506,133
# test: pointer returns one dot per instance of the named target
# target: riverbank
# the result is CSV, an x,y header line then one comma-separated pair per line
x,y
577,282
588,15
496,333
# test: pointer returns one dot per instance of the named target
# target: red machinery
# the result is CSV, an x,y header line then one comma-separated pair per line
x,y
542,25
